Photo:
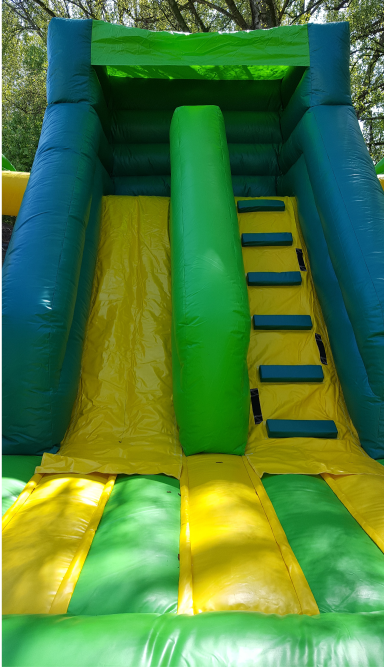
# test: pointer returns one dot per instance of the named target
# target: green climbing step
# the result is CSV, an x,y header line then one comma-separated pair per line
x,y
305,373
282,322
259,205
301,428
272,239
273,279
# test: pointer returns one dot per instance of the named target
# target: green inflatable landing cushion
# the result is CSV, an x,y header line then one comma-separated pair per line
x,y
133,565
230,639
272,239
343,566
301,428
282,322
304,373
16,473
273,278
260,205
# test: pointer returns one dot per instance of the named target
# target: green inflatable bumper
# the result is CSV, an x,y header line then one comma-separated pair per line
x,y
233,639
211,319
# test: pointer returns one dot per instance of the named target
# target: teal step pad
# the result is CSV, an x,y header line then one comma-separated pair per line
x,y
260,205
282,322
301,428
273,279
272,239
309,373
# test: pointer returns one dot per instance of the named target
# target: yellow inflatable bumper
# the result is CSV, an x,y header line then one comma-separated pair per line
x,y
14,184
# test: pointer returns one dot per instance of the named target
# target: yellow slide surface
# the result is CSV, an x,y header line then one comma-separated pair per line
x,y
363,496
123,420
234,554
46,539
322,401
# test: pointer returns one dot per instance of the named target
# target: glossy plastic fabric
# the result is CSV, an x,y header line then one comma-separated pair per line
x,y
119,45
343,567
231,544
16,472
231,639
41,543
150,126
363,496
160,186
14,184
133,562
154,159
210,312
41,281
162,95
322,401
123,419
361,402
379,168
354,204
69,60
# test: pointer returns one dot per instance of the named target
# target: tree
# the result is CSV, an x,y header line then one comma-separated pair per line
x,y
25,24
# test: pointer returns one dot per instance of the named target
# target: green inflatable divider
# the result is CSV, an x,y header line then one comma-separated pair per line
x,y
233,639
343,566
16,473
133,564
6,165
210,312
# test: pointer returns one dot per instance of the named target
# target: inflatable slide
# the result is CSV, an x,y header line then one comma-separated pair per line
x,y
193,359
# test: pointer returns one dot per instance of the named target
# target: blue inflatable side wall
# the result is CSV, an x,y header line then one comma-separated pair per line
x,y
326,165
55,243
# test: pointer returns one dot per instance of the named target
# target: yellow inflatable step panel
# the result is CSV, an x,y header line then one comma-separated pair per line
x,y
123,420
14,184
46,539
234,554
363,496
321,401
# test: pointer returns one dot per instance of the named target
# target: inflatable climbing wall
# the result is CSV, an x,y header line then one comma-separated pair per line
x,y
193,363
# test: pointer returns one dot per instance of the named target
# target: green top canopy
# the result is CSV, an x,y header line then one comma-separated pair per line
x,y
256,54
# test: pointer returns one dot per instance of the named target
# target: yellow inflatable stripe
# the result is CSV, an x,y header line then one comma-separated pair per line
x,y
303,591
363,496
235,562
47,540
19,502
185,598
322,401
123,419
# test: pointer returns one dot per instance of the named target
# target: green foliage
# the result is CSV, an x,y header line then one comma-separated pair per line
x,y
24,96
25,24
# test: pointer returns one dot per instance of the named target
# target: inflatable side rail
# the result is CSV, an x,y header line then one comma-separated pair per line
x,y
326,165
54,243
